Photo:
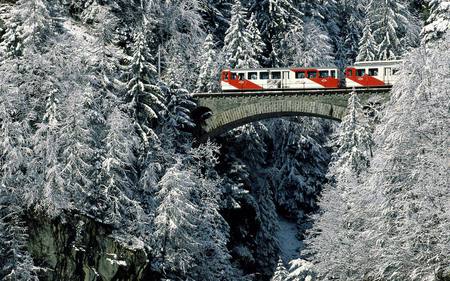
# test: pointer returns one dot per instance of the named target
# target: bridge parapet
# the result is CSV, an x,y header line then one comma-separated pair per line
x,y
230,110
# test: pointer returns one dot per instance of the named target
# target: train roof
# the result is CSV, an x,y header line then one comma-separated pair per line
x,y
277,68
378,63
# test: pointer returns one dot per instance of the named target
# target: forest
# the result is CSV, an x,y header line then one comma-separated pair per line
x,y
102,176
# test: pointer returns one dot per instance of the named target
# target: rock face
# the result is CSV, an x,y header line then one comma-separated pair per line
x,y
83,249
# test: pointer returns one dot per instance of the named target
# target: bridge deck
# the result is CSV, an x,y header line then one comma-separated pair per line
x,y
288,92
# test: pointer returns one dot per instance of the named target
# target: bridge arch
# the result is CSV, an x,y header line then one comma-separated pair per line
x,y
224,111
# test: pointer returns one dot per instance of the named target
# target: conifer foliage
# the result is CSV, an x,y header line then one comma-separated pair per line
x,y
144,97
242,41
209,68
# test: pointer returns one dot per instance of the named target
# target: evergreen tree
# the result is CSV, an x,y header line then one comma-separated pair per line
x,y
239,43
437,24
27,26
118,171
209,69
280,273
256,42
176,221
392,25
384,225
78,155
408,176
339,203
367,45
15,261
301,270
352,25
355,140
283,19
315,49
144,96
212,259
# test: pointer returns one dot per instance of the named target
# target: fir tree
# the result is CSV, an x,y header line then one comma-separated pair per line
x,y
437,24
27,26
283,18
144,96
175,221
301,270
355,141
280,273
367,45
209,69
239,43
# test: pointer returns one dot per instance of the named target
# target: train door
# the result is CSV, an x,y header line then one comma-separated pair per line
x,y
387,75
285,79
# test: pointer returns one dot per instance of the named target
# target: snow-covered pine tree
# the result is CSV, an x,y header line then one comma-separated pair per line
x,y
15,261
208,79
239,43
298,172
283,21
176,220
280,273
215,14
354,144
179,104
301,270
117,204
256,43
28,25
78,153
212,259
352,24
310,48
367,45
180,28
390,22
337,222
144,97
50,194
438,23
409,177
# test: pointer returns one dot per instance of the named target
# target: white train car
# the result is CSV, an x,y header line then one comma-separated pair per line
x,y
372,73
279,78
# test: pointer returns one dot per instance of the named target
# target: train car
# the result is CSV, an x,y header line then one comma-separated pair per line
x,y
372,73
279,78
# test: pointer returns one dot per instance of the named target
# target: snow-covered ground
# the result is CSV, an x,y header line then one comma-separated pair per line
x,y
289,244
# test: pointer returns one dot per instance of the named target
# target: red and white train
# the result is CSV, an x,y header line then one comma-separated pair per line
x,y
361,74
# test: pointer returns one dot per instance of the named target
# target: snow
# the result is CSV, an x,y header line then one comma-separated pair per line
x,y
290,246
118,262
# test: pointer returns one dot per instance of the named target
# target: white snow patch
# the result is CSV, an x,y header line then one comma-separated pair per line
x,y
290,246
118,262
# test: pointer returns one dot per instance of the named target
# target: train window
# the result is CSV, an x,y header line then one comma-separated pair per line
x,y
300,75
226,76
349,72
333,73
387,71
264,75
276,75
323,74
252,75
241,76
360,72
233,76
312,74
373,71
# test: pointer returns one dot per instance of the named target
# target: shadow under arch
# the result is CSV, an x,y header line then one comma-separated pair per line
x,y
258,117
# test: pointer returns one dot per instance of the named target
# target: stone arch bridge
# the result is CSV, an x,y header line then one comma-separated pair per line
x,y
217,113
